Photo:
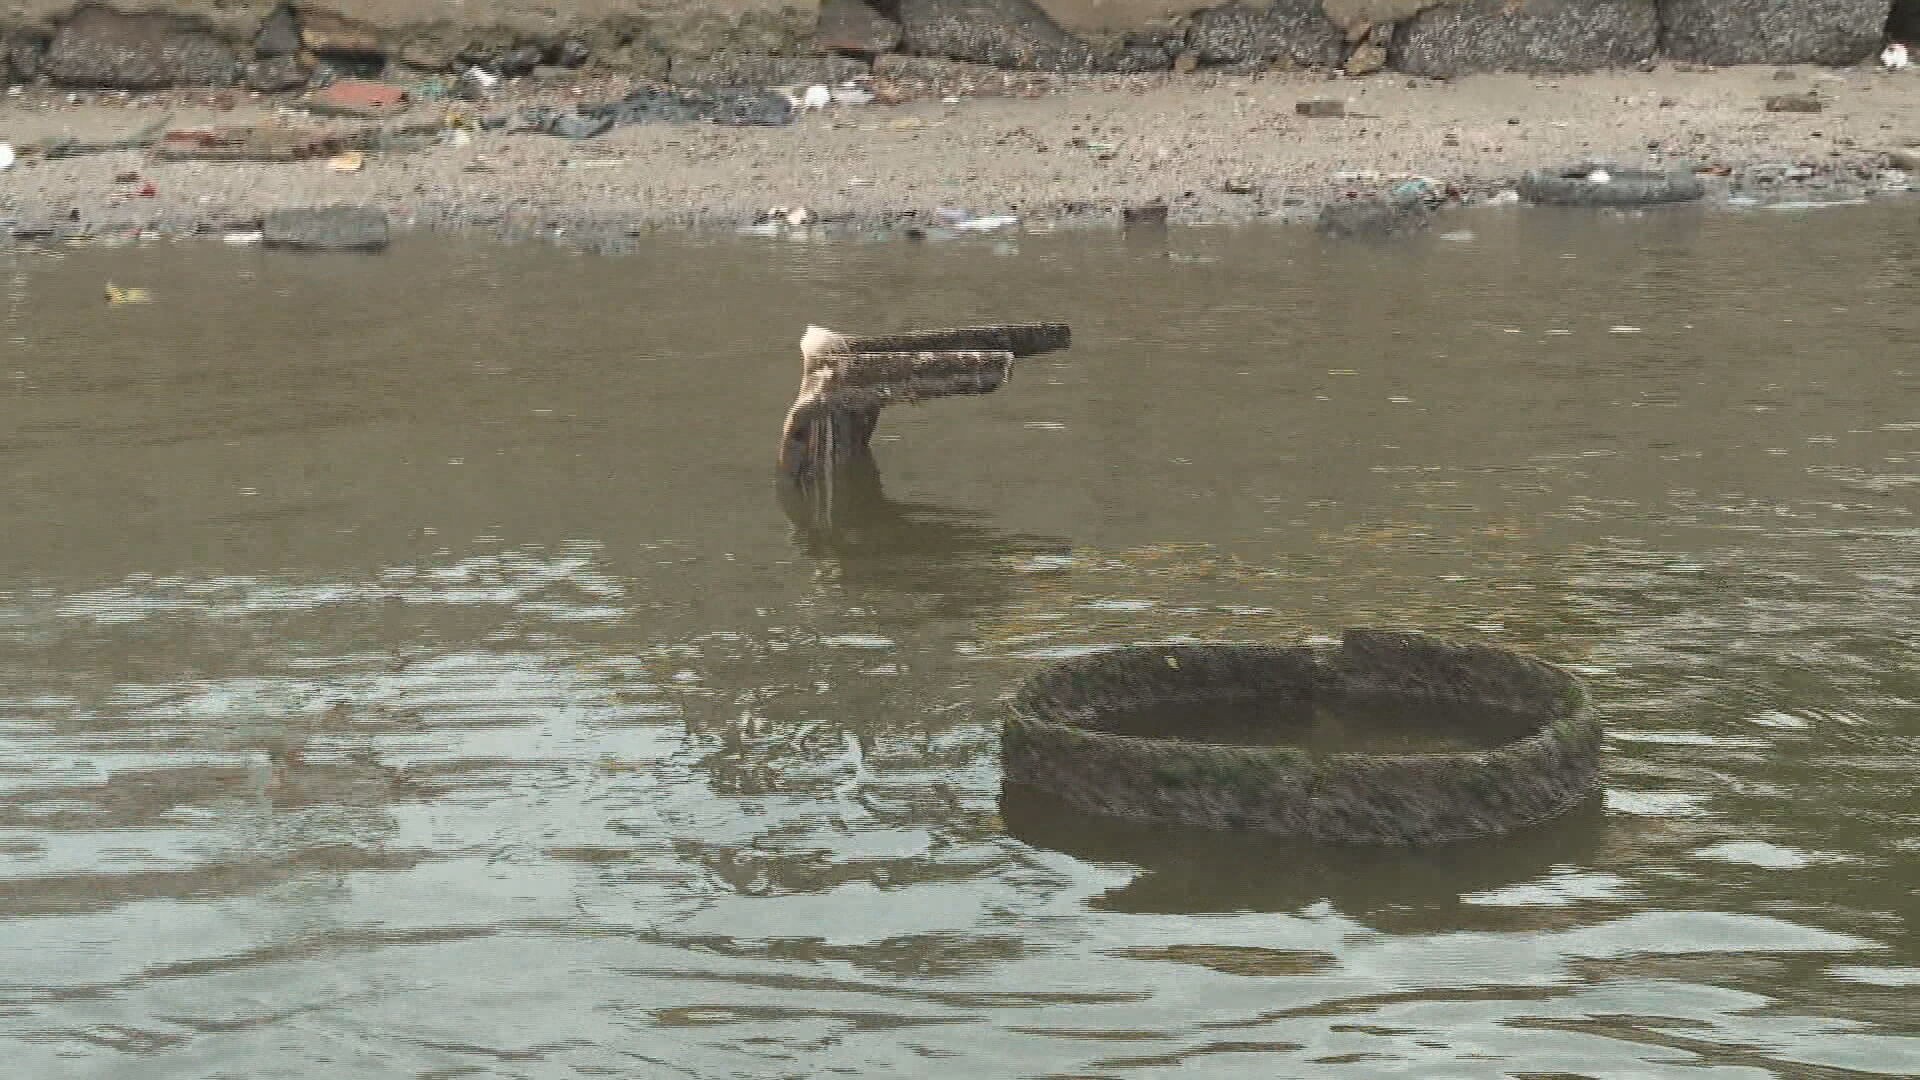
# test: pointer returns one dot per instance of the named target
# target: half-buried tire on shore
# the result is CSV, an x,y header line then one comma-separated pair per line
x,y
1388,738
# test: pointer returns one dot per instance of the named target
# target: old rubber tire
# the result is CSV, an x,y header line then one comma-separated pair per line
x,y
1055,741
1624,187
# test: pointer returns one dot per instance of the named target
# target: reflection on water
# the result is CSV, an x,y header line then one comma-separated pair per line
x,y
404,669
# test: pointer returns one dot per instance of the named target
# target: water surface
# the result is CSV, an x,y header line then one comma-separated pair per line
x,y
408,666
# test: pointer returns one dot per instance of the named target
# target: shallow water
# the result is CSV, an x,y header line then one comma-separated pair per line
x,y
1328,724
409,668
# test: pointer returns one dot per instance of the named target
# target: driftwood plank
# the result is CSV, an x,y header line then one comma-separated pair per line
x,y
1020,339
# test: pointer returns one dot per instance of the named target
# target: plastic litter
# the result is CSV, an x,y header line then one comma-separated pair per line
x,y
986,224
816,97
350,162
1894,57
6,156
852,93
240,239
1599,176
118,295
1503,197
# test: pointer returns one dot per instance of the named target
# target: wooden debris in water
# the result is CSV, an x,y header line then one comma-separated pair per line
x,y
1020,339
846,381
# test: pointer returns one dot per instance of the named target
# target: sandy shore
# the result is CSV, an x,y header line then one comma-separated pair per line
x,y
1214,148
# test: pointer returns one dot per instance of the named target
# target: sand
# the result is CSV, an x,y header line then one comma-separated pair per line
x,y
1214,148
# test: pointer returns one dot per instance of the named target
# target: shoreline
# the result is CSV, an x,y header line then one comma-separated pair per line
x,y
1215,149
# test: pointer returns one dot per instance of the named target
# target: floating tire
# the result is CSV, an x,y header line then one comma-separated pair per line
x,y
1577,186
1059,740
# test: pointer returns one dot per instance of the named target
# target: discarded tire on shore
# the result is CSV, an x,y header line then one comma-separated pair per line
x,y
1591,185
1536,750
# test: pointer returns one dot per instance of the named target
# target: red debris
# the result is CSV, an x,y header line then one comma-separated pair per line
x,y
359,97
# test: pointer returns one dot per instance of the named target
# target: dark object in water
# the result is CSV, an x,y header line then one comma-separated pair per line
x,y
846,381
1533,752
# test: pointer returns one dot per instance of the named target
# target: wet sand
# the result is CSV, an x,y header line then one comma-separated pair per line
x,y
1215,148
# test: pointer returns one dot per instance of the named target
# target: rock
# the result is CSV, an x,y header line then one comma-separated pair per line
x,y
854,26
1773,31
26,57
1366,59
572,53
1785,75
515,63
276,74
326,228
1794,103
425,54
1145,216
1132,59
732,70
1290,33
1187,62
1904,159
1527,35
1004,33
1373,217
1320,107
340,39
1353,15
1903,22
99,47
279,34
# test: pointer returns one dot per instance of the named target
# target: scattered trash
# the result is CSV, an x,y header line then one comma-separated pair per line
x,y
357,97
1320,107
815,97
350,162
738,108
774,217
146,190
1599,176
986,224
852,92
6,156
1419,187
1503,197
1356,176
1794,103
480,78
1893,57
118,295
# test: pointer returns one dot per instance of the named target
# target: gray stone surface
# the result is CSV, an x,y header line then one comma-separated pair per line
x,y
326,228
1004,33
734,70
275,74
99,47
1773,31
1290,33
1526,35
855,26
279,34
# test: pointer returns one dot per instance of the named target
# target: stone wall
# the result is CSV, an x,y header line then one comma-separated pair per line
x,y
266,44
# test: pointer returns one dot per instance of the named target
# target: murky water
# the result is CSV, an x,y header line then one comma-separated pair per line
x,y
1329,724
409,668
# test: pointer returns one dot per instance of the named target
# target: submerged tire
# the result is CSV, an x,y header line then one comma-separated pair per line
x,y
1574,186
1057,740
